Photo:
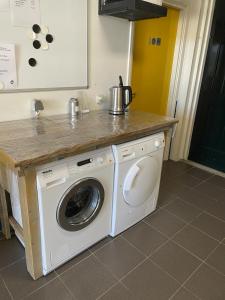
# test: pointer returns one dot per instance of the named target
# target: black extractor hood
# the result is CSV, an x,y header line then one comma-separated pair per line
x,y
132,10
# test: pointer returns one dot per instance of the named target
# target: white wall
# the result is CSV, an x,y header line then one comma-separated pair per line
x,y
108,54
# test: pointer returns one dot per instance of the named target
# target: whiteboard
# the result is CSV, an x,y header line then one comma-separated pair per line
x,y
64,64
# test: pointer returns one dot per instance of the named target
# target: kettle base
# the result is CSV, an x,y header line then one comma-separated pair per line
x,y
117,113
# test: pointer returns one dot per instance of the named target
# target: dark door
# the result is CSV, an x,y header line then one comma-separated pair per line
x,y
208,140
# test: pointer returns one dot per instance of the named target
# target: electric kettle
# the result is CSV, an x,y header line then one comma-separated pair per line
x,y
120,98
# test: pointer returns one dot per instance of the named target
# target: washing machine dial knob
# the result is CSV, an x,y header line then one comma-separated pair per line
x,y
157,144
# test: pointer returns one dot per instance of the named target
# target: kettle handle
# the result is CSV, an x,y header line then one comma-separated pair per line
x,y
129,89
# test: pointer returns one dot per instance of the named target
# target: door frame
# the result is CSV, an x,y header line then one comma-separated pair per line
x,y
187,70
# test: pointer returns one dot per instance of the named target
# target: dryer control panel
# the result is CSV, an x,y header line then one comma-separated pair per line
x,y
138,148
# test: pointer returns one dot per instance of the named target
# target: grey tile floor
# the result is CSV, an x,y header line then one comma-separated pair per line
x,y
178,252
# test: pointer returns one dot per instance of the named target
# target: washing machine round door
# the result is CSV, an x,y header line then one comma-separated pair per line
x,y
80,205
141,180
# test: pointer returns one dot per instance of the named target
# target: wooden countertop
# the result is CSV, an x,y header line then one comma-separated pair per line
x,y
33,142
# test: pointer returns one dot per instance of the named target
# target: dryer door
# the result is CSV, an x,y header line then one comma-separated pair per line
x,y
80,205
141,180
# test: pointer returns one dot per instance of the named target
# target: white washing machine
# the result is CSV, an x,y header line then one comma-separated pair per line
x,y
75,205
138,166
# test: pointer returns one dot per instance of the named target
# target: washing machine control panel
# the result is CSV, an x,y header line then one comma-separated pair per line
x,y
57,173
92,162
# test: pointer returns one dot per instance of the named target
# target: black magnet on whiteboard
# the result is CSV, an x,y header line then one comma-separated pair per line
x,y
36,44
32,62
36,28
49,38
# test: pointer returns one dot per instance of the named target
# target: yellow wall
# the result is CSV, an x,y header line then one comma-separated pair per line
x,y
152,64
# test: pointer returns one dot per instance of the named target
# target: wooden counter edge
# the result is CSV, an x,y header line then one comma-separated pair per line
x,y
67,152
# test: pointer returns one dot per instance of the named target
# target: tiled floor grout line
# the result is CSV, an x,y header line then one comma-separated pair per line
x,y
119,280
164,208
214,199
70,268
58,275
186,224
203,195
164,271
171,276
183,284
201,211
83,259
197,216
133,246
155,211
67,288
203,232
106,267
164,243
92,253
105,292
109,242
214,216
202,263
153,252
187,202
191,204
12,264
128,273
203,181
215,269
5,285
187,250
159,231
211,253
171,239
187,172
187,290
165,205
40,287
182,172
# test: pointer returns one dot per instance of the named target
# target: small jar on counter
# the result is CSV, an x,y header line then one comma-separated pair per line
x,y
74,108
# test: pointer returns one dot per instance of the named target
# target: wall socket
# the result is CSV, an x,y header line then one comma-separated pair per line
x,y
155,41
99,99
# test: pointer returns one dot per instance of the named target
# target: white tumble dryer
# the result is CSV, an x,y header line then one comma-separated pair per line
x,y
138,167
75,205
